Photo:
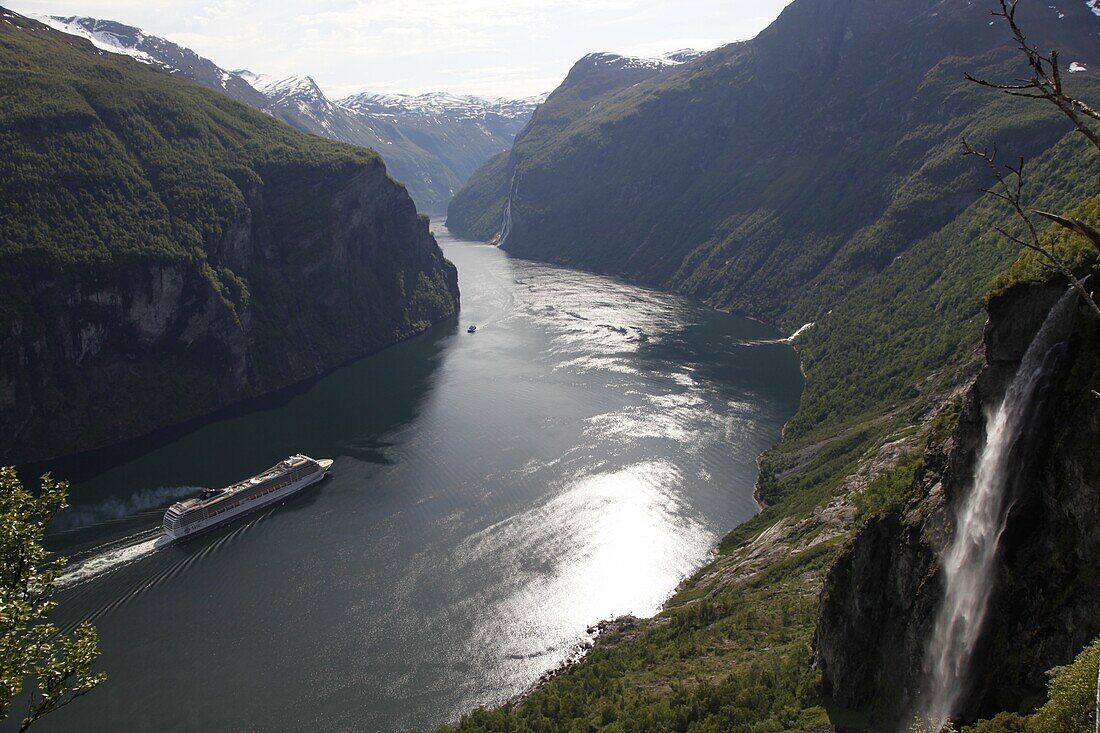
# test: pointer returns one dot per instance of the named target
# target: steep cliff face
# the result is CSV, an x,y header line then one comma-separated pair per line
x,y
166,252
881,596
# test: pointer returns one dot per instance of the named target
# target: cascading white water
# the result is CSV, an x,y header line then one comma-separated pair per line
x,y
506,223
968,563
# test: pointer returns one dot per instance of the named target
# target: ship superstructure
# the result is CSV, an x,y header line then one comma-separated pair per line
x,y
217,506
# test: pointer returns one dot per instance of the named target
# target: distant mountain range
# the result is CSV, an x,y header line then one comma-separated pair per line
x,y
430,142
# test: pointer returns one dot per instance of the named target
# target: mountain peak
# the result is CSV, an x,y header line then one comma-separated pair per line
x,y
445,105
275,87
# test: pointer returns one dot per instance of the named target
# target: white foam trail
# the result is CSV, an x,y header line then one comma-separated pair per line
x,y
969,562
110,560
802,329
787,340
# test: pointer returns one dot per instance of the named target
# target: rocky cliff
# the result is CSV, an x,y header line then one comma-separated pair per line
x,y
880,597
166,252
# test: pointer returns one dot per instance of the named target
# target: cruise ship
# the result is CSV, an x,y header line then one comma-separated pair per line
x,y
218,506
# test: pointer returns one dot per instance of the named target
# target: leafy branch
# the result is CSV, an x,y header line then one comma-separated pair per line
x,y
31,648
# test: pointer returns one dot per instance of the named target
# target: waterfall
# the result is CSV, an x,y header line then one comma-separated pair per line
x,y
969,562
506,224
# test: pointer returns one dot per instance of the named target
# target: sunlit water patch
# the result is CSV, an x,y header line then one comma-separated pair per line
x,y
494,494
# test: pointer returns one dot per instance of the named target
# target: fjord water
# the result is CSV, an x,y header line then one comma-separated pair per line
x,y
493,494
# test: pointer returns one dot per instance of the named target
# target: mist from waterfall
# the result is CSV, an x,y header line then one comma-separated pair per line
x,y
969,562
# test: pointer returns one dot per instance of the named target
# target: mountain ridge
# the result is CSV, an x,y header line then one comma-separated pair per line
x,y
155,237
430,158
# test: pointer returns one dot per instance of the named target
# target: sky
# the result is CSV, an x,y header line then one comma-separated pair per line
x,y
510,48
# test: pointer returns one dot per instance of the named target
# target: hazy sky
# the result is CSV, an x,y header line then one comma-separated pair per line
x,y
494,47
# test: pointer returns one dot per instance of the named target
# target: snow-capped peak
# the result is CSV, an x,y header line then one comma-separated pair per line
x,y
106,35
438,104
275,87
299,93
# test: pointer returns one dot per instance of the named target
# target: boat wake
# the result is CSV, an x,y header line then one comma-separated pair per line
x,y
108,558
786,340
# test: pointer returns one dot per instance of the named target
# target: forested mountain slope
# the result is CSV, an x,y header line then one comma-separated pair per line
x,y
166,251
477,210
814,175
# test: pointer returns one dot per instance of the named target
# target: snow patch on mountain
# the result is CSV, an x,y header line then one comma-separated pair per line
x,y
439,105
275,87
100,33
621,61
300,93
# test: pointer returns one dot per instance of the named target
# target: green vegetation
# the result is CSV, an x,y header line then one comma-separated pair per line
x,y
1073,250
878,234
718,659
890,488
1070,706
34,656
171,243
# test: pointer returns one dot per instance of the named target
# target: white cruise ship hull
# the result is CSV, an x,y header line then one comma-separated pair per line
x,y
176,530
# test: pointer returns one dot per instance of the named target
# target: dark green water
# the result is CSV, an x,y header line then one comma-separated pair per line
x,y
493,495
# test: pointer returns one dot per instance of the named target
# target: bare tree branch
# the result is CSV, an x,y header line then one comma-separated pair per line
x,y
1046,80
1011,190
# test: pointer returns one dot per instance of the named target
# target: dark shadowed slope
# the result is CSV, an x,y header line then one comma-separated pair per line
x,y
166,251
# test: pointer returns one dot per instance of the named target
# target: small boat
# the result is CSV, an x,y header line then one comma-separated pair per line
x,y
217,506
471,329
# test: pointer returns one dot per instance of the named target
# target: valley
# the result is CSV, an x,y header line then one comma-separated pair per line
x,y
744,390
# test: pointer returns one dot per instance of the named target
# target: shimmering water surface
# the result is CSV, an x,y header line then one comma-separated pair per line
x,y
493,495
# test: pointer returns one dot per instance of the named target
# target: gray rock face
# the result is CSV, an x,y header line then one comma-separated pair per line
x,y
115,352
881,597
